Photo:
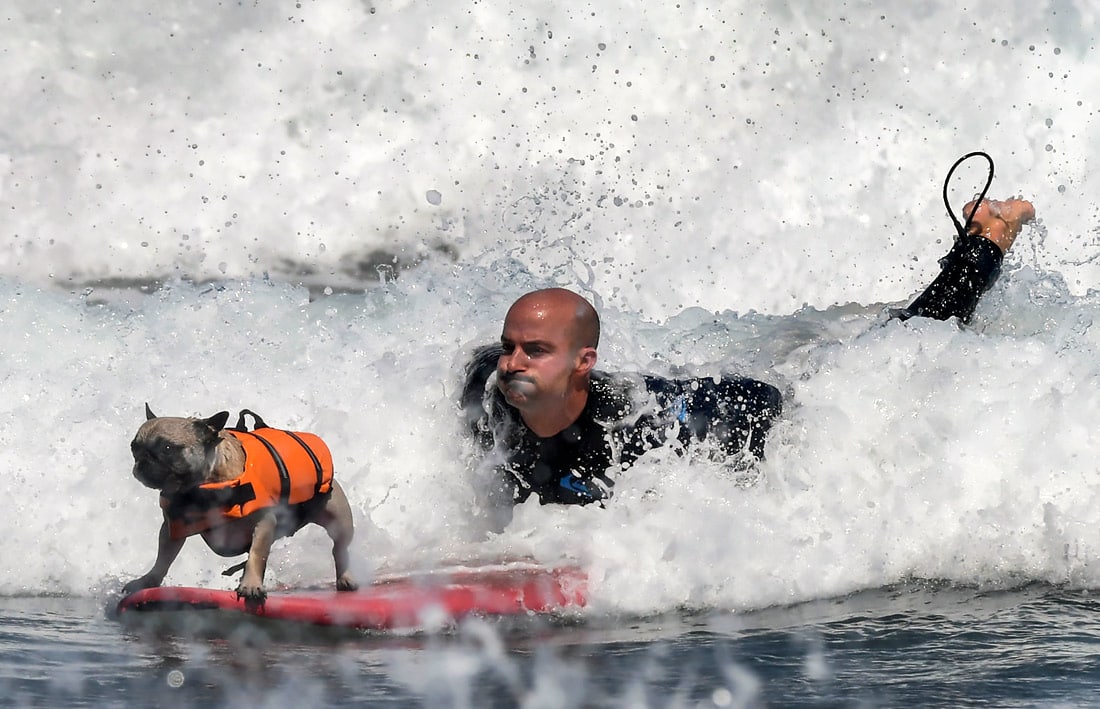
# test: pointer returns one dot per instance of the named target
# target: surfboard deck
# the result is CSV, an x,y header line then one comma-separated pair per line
x,y
430,599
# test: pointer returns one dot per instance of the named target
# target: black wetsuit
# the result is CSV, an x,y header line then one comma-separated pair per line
x,y
624,417
627,415
967,271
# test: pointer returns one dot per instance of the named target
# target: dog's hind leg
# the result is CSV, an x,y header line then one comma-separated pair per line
x,y
337,521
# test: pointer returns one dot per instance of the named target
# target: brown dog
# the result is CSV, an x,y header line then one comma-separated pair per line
x,y
207,488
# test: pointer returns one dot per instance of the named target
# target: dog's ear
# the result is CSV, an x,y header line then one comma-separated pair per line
x,y
217,421
149,412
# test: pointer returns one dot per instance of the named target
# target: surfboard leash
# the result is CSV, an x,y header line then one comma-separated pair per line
x,y
963,229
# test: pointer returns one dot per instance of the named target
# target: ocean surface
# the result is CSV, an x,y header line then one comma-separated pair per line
x,y
316,210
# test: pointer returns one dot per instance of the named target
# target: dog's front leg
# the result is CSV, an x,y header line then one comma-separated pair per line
x,y
167,551
251,587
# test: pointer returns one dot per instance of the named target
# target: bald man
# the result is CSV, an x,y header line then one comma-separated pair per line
x,y
564,430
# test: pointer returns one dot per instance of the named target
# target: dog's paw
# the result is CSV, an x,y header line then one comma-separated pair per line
x,y
251,594
346,583
140,583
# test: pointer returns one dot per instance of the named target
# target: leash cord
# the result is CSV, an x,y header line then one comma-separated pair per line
x,y
963,229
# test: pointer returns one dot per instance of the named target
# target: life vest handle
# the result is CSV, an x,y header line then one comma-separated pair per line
x,y
242,424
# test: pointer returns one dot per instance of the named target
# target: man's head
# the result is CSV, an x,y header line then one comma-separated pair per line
x,y
549,339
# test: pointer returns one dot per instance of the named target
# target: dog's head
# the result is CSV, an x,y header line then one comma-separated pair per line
x,y
172,454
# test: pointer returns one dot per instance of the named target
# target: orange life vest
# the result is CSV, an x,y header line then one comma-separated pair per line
x,y
281,469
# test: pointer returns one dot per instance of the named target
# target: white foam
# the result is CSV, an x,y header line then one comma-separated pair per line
x,y
727,156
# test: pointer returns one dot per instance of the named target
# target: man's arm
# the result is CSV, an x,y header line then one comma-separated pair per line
x,y
478,370
734,412
974,262
966,272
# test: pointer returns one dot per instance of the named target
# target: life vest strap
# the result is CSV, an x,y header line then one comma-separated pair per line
x,y
280,464
193,504
316,463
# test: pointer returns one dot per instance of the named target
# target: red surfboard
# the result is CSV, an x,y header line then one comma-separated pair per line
x,y
396,602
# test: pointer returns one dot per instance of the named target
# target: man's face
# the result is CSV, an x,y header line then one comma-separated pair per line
x,y
540,356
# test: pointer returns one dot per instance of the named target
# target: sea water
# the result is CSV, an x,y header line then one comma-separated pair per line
x,y
317,210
